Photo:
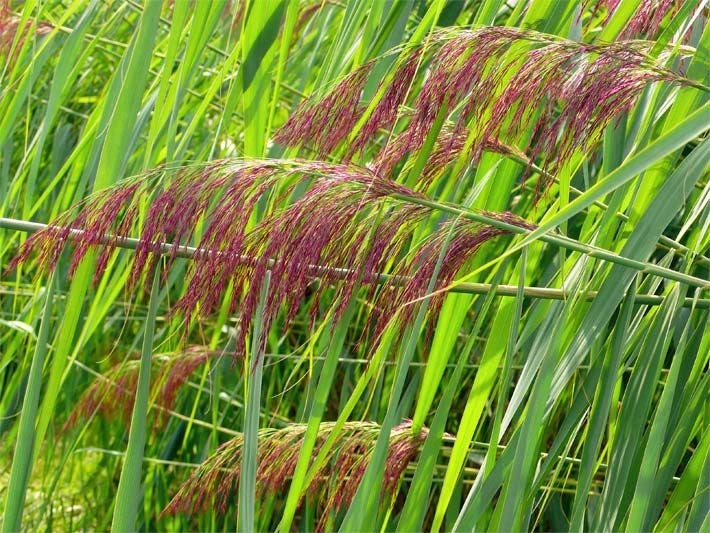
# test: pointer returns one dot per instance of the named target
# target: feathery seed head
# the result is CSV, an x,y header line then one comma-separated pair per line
x,y
348,228
114,392
214,484
504,81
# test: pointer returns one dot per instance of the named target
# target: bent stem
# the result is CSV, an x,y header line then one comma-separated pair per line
x,y
189,252
562,241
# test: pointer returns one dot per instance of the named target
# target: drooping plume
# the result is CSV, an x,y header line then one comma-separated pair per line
x,y
347,229
502,82
111,395
214,485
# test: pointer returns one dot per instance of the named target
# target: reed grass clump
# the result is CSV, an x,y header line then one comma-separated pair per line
x,y
336,265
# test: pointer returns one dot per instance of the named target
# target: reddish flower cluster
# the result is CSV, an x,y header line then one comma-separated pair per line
x,y
336,231
505,81
344,228
114,392
214,485
10,28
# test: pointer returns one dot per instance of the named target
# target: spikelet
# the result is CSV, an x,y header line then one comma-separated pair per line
x,y
505,82
214,485
347,229
112,394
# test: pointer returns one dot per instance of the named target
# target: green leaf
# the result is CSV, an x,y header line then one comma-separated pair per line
x,y
129,493
255,365
692,126
22,458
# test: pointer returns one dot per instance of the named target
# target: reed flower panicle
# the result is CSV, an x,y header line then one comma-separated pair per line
x,y
214,484
113,393
519,87
347,229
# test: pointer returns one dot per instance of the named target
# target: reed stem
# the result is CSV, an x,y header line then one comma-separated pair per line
x,y
545,293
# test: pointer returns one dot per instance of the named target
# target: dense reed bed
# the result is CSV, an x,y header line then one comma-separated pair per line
x,y
415,265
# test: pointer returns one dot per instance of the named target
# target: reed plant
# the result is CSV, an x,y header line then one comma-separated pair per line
x,y
408,265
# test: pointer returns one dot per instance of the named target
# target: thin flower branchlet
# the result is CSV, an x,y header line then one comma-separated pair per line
x,y
348,229
460,239
450,144
214,485
340,110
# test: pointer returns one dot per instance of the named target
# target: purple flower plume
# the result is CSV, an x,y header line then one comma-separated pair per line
x,y
214,485
111,395
504,82
348,229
